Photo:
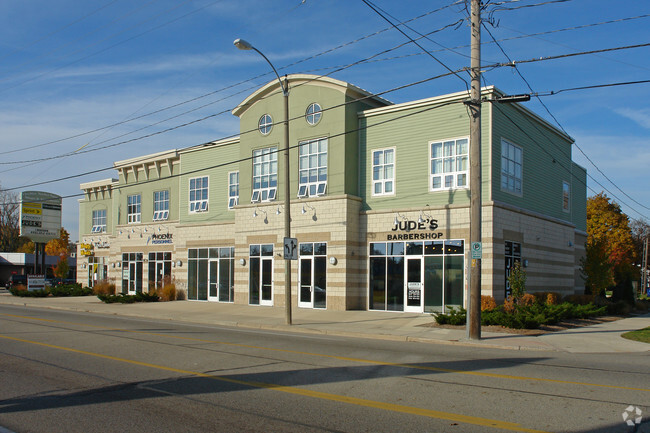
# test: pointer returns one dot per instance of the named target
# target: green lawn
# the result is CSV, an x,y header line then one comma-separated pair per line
x,y
642,335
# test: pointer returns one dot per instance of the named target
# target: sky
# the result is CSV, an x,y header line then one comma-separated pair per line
x,y
84,84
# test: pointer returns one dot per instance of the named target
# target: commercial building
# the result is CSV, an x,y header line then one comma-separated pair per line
x,y
379,205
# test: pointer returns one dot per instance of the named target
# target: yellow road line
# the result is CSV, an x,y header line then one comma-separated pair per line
x,y
484,422
344,358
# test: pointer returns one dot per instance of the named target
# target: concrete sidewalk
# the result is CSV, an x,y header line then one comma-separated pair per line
x,y
600,338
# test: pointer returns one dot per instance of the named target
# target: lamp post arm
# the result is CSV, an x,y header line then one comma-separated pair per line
x,y
285,91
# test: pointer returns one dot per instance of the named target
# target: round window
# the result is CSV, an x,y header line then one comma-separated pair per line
x,y
265,124
314,113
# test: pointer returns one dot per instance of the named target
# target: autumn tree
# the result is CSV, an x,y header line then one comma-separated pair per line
x,y
9,220
59,247
608,231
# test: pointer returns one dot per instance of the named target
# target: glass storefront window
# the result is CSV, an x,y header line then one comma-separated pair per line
x,y
442,267
211,274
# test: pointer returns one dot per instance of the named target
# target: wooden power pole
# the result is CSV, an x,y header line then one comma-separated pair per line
x,y
474,307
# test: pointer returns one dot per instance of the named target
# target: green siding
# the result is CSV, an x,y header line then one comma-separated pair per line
x,y
146,188
546,162
215,162
86,208
337,120
410,131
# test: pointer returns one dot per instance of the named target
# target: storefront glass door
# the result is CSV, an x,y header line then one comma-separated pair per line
x,y
213,282
312,286
413,285
132,273
261,275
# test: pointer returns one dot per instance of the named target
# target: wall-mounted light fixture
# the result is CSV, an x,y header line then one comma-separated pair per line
x,y
304,211
398,217
179,263
242,262
423,214
333,260
255,214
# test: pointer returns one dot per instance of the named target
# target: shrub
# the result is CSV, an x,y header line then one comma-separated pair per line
x,y
488,303
104,287
549,298
127,299
21,290
579,299
527,299
74,289
453,317
168,291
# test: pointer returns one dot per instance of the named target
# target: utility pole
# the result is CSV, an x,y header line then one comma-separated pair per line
x,y
474,104
644,267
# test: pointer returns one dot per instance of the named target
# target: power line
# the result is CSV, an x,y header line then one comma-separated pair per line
x,y
330,50
78,151
244,132
560,125
248,158
371,6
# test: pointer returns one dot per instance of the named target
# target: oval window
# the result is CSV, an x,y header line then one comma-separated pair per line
x,y
314,113
265,124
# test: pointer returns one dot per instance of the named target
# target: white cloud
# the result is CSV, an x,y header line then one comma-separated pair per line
x,y
640,116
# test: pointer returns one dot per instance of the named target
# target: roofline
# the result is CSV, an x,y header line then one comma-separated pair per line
x,y
308,78
222,142
160,156
459,96
98,183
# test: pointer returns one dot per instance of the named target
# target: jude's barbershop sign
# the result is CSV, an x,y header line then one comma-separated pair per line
x,y
429,226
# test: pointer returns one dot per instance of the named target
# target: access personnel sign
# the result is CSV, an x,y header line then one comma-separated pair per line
x,y
40,216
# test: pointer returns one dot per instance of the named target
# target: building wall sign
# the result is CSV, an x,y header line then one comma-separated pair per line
x,y
102,245
430,226
86,249
157,239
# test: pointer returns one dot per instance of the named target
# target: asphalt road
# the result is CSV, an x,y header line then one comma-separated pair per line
x,y
74,372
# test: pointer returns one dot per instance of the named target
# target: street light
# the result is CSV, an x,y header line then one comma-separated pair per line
x,y
243,45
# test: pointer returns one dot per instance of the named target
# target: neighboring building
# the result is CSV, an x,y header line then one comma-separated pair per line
x,y
23,264
380,205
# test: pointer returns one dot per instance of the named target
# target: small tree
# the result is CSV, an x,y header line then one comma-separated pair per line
x,y
517,280
596,270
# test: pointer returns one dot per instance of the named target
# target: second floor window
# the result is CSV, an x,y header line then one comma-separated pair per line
x,y
511,163
99,221
383,172
199,194
449,164
233,189
133,209
566,196
312,173
265,174
160,205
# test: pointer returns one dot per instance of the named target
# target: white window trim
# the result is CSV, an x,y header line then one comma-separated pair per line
x,y
568,208
455,173
383,181
315,116
321,186
160,215
202,204
136,217
271,190
99,228
233,200
268,127
521,179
